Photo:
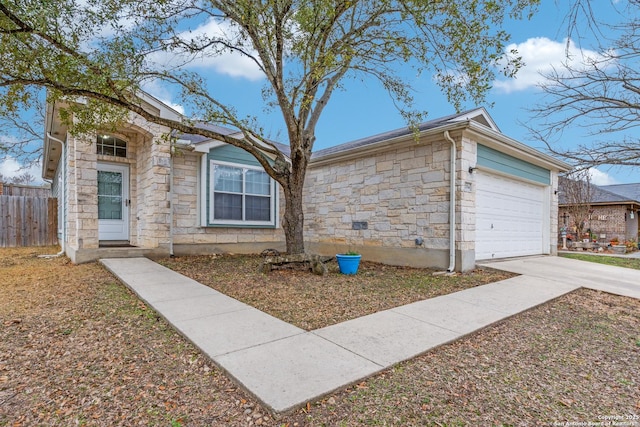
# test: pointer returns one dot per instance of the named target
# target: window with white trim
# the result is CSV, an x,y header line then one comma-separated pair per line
x,y
111,146
240,195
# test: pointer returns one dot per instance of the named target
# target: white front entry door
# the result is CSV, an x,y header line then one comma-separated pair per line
x,y
113,202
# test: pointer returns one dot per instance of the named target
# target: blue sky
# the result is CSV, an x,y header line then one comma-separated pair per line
x,y
364,108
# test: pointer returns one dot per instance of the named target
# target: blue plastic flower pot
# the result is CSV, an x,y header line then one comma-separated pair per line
x,y
348,264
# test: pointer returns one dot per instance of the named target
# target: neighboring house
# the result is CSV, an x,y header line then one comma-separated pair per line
x,y
613,212
386,196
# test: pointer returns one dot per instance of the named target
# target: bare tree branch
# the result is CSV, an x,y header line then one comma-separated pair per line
x,y
601,95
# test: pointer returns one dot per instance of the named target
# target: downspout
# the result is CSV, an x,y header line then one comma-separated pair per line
x,y
63,189
452,205
171,152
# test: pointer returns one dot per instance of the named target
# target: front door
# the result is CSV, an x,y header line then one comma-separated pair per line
x,y
113,202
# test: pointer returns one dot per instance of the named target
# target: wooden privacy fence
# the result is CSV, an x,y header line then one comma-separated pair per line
x,y
28,221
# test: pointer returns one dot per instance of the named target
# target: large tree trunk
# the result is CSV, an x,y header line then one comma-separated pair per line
x,y
293,215
293,222
294,219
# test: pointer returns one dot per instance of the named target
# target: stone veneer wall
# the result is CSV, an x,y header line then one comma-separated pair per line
x,y
148,161
402,194
466,204
553,224
152,208
82,212
191,238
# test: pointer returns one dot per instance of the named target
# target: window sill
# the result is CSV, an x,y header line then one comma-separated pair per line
x,y
240,225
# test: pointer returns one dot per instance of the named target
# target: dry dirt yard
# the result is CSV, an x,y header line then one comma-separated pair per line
x,y
77,348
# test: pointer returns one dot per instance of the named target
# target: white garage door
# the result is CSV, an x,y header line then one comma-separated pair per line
x,y
509,217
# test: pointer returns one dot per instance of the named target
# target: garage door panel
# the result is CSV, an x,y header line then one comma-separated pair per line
x,y
509,217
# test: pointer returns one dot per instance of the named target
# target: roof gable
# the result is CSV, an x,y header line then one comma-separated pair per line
x,y
479,115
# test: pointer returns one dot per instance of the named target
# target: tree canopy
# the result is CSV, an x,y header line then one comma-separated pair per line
x,y
104,52
600,94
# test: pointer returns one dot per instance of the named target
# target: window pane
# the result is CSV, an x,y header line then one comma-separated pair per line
x,y
111,146
227,178
240,194
257,182
109,195
258,208
227,206
109,207
109,183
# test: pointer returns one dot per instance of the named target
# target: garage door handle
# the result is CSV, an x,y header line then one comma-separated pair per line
x,y
492,226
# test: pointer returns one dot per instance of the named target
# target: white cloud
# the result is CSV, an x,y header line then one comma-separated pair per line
x,y
179,108
601,178
230,63
10,167
159,91
7,139
540,56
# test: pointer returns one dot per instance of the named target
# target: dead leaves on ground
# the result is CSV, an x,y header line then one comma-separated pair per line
x,y
76,348
312,302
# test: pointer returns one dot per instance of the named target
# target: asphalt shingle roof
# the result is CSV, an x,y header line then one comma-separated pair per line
x,y
197,139
630,191
607,193
431,124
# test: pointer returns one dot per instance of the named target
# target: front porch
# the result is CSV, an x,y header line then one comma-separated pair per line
x,y
79,256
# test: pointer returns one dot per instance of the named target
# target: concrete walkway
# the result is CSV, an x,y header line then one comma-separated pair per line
x,y
284,366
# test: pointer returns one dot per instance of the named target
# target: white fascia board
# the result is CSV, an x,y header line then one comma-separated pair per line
x,y
54,132
206,146
166,112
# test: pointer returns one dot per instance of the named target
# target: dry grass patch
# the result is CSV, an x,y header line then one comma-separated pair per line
x,y
312,302
78,349
573,360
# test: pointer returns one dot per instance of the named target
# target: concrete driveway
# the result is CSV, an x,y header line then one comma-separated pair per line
x,y
615,280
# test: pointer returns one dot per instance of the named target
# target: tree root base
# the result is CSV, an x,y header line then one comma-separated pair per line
x,y
274,261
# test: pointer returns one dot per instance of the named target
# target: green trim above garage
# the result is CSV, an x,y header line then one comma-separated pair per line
x,y
501,162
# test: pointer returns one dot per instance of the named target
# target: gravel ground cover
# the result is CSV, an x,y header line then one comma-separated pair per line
x,y
77,348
